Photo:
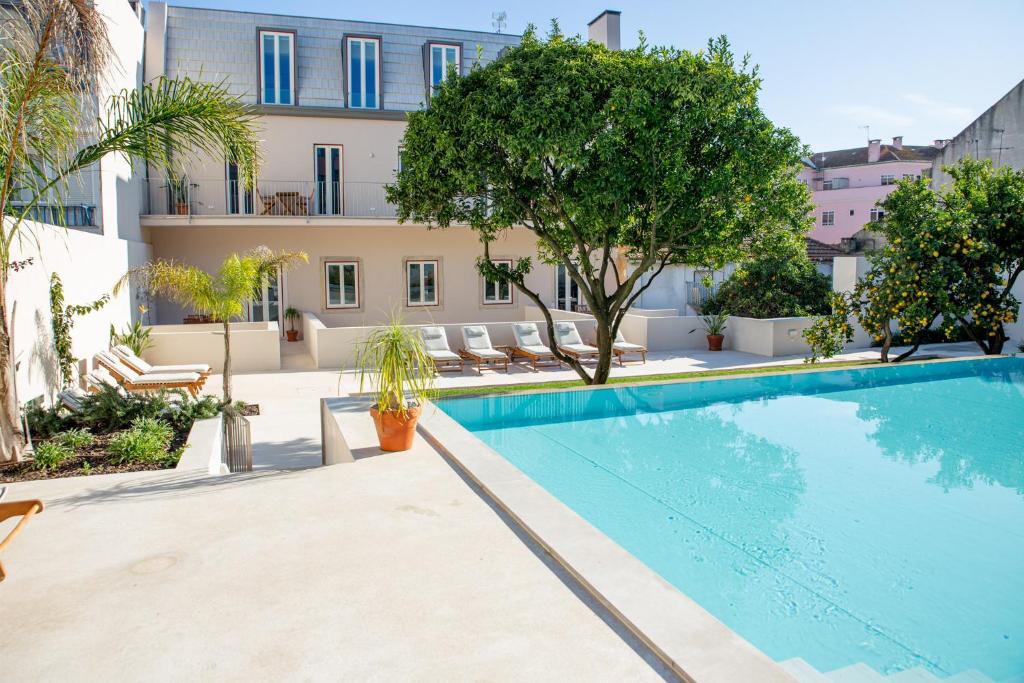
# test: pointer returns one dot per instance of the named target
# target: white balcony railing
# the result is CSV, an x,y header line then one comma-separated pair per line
x,y
218,197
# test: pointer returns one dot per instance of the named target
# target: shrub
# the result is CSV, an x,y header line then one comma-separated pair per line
x,y
50,454
75,438
146,441
45,422
188,410
110,409
773,286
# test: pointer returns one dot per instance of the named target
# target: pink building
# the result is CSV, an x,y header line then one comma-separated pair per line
x,y
848,184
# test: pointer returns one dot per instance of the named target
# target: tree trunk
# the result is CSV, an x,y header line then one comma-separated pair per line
x,y
995,347
12,436
604,347
227,364
886,343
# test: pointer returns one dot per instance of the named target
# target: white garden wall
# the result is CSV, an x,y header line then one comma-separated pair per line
x,y
254,346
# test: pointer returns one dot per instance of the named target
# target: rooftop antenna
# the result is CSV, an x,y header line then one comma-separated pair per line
x,y
867,131
499,20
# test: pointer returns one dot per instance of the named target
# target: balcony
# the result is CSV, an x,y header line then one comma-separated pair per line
x,y
268,199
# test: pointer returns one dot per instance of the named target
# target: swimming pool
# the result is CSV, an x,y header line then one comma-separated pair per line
x,y
866,515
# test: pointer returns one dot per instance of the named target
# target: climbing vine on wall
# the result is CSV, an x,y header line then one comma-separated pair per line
x,y
63,320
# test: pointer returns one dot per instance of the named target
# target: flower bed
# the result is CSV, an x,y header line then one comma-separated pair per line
x,y
113,432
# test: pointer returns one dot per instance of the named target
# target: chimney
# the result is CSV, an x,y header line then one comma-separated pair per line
x,y
897,142
874,149
940,143
605,29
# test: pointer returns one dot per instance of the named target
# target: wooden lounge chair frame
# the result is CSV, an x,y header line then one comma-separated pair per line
x,y
578,355
545,359
448,364
203,374
192,386
23,508
619,353
482,360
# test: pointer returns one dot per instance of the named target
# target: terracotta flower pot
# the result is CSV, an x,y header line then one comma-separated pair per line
x,y
395,432
293,335
715,342
181,208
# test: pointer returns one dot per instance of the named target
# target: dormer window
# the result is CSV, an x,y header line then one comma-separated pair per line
x,y
277,67
362,73
441,58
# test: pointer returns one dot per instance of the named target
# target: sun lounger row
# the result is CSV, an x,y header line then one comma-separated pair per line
x,y
477,347
134,374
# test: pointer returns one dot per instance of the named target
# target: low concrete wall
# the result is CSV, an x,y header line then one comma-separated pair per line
x,y
254,346
768,336
204,448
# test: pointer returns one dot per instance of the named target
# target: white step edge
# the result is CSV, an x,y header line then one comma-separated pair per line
x,y
855,673
803,671
918,674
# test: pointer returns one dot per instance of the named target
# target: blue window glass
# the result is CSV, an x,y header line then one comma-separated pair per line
x,y
371,73
437,66
284,61
269,89
356,73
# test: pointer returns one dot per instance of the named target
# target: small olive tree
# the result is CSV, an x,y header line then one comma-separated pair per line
x,y
952,254
650,156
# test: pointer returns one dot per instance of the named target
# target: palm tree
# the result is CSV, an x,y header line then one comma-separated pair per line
x,y
53,55
221,296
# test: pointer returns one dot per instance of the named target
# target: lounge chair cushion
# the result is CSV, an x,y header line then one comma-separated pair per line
x,y
131,359
567,334
114,363
434,339
628,347
442,355
537,350
527,335
72,398
578,348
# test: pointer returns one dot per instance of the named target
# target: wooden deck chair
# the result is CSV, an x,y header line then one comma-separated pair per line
x,y
72,398
435,343
529,345
569,342
23,508
621,348
478,348
136,363
133,381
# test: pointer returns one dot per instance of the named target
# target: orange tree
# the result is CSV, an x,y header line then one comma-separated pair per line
x,y
952,255
654,155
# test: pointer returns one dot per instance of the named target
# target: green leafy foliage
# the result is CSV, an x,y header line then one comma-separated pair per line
x,y
45,422
715,323
135,337
773,286
75,438
62,320
111,409
50,454
952,254
657,155
145,441
392,359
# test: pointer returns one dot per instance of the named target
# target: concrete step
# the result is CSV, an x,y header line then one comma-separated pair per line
x,y
1012,679
918,674
855,673
971,676
802,671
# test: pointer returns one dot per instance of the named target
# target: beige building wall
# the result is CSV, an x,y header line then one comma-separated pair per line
x,y
381,252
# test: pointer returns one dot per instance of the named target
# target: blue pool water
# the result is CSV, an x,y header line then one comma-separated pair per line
x,y
868,515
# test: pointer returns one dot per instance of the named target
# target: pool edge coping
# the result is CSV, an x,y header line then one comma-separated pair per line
x,y
640,382
684,636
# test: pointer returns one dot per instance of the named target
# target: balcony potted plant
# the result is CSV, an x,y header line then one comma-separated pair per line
x,y
391,359
714,325
178,188
291,315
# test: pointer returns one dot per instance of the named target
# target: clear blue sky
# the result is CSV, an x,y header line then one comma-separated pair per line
x,y
917,68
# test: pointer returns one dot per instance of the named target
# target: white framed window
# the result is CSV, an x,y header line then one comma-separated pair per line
x,y
498,292
888,179
443,56
341,284
363,74
421,283
828,218
277,67
877,214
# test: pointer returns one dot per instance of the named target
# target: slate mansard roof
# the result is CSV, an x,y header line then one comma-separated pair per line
x,y
221,45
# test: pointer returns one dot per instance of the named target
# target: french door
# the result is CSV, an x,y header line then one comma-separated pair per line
x,y
327,176
567,292
265,304
239,197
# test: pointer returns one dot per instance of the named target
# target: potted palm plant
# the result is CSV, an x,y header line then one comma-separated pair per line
x,y
714,325
179,194
391,359
291,315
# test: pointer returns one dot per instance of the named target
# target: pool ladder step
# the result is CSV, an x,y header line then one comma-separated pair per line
x,y
802,671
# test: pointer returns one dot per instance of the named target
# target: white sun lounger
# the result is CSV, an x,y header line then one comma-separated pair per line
x,y
621,348
567,337
435,343
129,358
529,345
478,348
133,381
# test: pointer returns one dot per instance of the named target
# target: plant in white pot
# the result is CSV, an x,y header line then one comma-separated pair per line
x,y
393,361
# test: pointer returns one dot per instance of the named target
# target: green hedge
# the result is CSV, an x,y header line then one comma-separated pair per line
x,y
772,287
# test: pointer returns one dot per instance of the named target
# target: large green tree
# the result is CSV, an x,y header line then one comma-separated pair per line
x,y
952,257
55,56
650,156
